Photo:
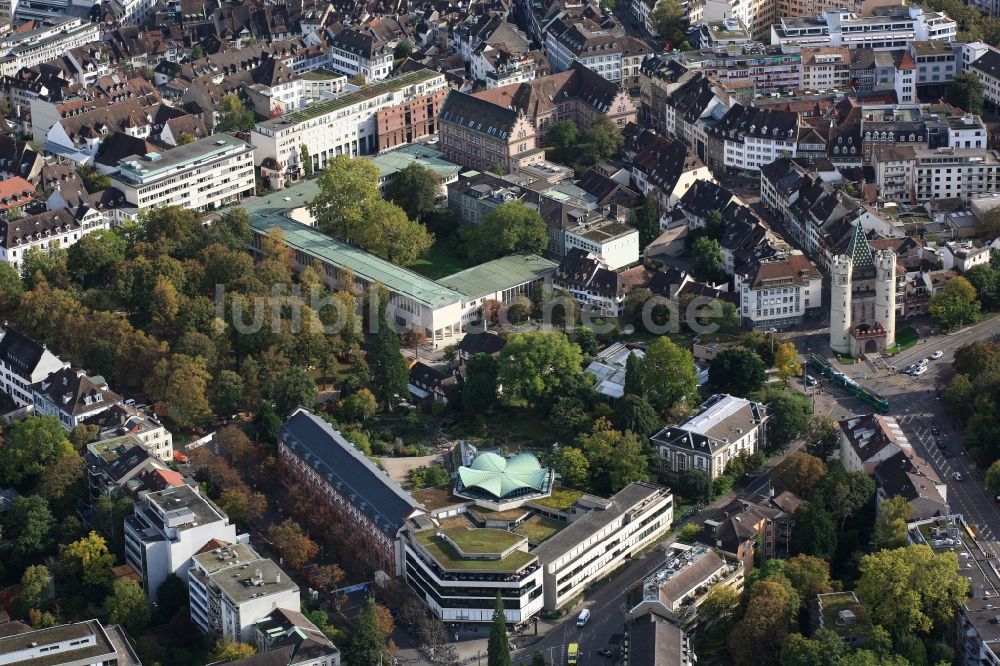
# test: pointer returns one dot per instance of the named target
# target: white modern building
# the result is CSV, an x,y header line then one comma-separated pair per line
x,y
202,175
892,28
342,126
778,293
23,362
232,588
458,576
601,540
615,243
167,529
724,427
918,174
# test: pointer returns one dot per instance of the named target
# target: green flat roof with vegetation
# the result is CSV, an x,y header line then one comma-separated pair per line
x,y
449,558
835,602
366,93
539,528
499,274
560,500
482,541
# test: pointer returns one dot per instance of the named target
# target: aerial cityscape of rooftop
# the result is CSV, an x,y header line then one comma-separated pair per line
x,y
567,333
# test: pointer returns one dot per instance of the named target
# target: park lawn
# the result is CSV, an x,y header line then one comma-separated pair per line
x,y
905,338
441,262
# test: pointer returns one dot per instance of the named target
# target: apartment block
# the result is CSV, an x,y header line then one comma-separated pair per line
x,y
614,242
58,228
614,56
724,427
891,27
919,174
768,69
30,48
750,138
402,109
353,53
167,529
232,588
202,175
598,542
779,292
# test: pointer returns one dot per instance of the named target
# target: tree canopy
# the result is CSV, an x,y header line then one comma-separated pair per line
x,y
955,304
510,227
737,371
535,365
414,189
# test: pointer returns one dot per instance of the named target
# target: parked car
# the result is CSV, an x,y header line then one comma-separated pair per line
x,y
936,355
946,453
771,330
811,381
957,476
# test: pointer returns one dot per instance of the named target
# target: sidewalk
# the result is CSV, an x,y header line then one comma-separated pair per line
x,y
473,640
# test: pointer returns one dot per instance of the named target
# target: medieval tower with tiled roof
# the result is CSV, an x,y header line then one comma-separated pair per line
x,y
862,298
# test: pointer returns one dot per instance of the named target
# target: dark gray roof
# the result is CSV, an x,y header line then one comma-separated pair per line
x,y
486,343
20,352
654,642
478,115
349,471
988,63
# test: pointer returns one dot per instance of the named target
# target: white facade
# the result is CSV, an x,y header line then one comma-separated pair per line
x,y
781,300
343,126
837,27
167,529
961,256
55,229
374,67
202,175
616,244
752,152
35,47
19,369
946,173
600,541
232,587
724,427
470,595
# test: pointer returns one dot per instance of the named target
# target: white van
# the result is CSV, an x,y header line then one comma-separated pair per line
x,y
584,616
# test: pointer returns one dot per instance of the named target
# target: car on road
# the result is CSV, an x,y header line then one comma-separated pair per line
x,y
923,362
810,381
936,355
771,330
919,371
957,476
605,652
935,430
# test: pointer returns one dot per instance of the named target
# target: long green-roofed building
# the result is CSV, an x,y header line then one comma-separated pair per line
x,y
415,301
442,308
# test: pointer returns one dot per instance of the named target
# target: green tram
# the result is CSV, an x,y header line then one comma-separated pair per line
x,y
878,402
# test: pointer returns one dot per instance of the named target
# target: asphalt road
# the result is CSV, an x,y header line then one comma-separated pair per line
x,y
607,603
914,403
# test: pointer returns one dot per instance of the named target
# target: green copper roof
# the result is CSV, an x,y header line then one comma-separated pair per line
x,y
859,250
500,476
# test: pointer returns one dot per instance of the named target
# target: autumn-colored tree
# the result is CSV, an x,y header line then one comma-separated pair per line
x,y
295,546
229,650
326,577
89,559
799,472
786,360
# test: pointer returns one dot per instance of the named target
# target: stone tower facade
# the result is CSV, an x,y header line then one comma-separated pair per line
x,y
841,273
885,294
